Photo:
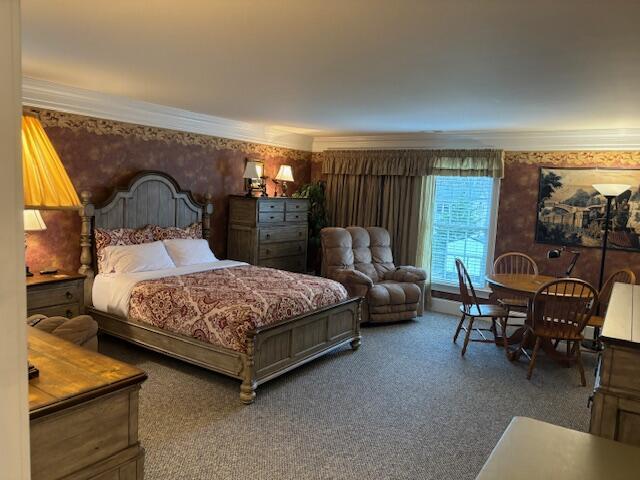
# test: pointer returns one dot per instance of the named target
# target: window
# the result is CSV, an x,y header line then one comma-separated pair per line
x,y
462,228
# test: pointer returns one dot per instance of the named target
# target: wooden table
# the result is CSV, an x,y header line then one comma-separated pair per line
x,y
533,450
521,286
83,410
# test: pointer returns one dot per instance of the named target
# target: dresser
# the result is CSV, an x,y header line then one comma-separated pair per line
x,y
269,231
58,294
83,412
615,411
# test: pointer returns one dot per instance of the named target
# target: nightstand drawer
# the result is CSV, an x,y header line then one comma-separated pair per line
x,y
284,249
69,292
69,310
271,217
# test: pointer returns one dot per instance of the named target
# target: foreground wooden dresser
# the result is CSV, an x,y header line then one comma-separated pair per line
x,y
615,412
83,410
269,231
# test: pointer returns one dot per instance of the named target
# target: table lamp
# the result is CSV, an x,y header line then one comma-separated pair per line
x,y
45,181
254,171
285,174
32,223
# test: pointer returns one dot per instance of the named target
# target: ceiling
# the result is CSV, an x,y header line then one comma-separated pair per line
x,y
352,66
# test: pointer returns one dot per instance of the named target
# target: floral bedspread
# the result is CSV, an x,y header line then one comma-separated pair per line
x,y
220,306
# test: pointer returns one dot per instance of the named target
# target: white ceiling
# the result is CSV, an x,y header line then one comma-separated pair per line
x,y
352,66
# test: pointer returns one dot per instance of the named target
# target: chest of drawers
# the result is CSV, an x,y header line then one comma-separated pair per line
x,y
57,294
269,232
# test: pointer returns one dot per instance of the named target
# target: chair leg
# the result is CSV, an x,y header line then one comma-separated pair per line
x,y
532,363
468,335
505,340
455,337
578,355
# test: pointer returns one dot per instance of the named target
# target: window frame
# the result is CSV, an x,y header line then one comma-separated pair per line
x,y
484,291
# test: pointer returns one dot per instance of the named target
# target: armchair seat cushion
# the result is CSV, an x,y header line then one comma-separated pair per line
x,y
394,293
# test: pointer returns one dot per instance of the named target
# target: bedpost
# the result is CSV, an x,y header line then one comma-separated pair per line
x,y
248,387
86,256
207,211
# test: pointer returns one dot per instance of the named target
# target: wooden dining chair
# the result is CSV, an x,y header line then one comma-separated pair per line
x,y
623,276
561,310
472,309
515,263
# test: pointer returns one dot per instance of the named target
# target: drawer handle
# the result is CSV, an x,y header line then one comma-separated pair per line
x,y
267,251
271,217
299,234
271,206
68,313
69,295
268,235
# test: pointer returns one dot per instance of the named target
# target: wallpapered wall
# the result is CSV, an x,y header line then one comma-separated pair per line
x,y
517,211
100,155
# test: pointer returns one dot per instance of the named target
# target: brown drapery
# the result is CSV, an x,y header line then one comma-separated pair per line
x,y
385,188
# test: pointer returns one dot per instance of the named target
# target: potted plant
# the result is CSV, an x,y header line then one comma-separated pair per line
x,y
315,192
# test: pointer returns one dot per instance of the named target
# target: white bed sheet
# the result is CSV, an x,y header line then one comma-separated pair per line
x,y
112,291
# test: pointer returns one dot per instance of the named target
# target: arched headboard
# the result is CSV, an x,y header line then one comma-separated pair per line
x,y
152,198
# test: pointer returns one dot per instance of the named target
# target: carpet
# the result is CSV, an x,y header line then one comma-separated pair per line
x,y
404,406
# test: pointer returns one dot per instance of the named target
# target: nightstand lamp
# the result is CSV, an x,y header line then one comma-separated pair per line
x,y
285,174
45,181
33,222
254,178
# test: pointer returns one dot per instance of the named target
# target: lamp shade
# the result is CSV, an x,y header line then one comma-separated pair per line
x,y
611,189
46,183
285,174
33,221
252,170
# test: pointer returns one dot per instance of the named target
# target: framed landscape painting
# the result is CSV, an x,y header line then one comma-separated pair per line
x,y
572,212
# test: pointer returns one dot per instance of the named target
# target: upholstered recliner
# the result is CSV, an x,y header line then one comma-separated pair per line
x,y
361,260
81,330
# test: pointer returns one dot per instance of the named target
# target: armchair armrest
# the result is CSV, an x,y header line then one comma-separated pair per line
x,y
352,277
406,273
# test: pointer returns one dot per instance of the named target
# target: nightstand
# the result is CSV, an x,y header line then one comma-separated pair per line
x,y
60,294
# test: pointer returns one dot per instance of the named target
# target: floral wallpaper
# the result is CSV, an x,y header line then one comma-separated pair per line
x,y
517,211
100,155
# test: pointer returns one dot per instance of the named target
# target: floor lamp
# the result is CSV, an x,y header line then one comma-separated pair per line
x,y
608,191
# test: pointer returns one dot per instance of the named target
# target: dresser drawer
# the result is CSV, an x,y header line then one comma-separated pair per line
x,y
284,249
271,206
295,216
283,234
297,205
271,217
68,310
293,264
41,296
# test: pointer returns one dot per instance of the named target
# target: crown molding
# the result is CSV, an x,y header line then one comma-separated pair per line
x,y
611,139
53,96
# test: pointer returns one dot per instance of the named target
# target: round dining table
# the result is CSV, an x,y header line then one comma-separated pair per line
x,y
506,285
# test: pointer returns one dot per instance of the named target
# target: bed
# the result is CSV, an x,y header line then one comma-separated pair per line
x,y
266,350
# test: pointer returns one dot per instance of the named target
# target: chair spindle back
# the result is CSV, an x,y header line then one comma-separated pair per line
x,y
467,292
513,263
623,276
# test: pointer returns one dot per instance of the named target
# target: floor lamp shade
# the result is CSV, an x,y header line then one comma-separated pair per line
x,y
46,183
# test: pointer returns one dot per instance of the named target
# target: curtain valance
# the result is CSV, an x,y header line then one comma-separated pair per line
x,y
414,163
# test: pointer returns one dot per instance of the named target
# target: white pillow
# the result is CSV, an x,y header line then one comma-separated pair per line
x,y
137,258
189,251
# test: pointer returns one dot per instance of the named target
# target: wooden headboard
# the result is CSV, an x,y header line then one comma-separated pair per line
x,y
152,198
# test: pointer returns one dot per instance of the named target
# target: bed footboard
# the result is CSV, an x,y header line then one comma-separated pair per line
x,y
276,349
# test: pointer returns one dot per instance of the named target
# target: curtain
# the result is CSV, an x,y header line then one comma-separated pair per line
x,y
394,189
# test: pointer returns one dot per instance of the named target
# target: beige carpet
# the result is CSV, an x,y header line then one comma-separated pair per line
x,y
404,406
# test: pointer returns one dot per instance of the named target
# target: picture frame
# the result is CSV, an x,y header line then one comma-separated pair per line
x,y
571,212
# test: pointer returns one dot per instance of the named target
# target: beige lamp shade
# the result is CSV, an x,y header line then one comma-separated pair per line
x,y
611,189
252,170
33,221
46,183
285,174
